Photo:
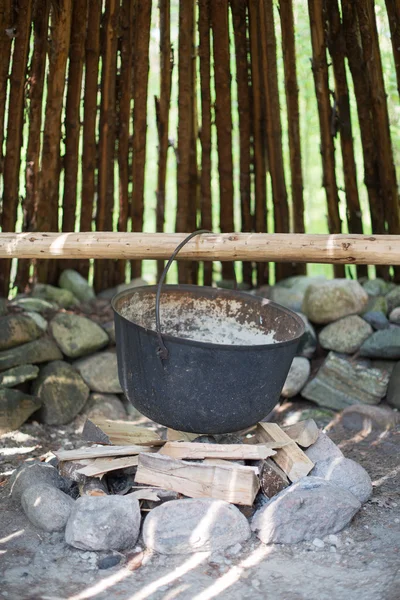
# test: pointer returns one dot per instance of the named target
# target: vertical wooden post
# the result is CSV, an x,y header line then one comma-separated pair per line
x,y
393,12
49,178
35,95
124,97
89,148
104,269
12,161
205,130
292,104
320,71
259,158
162,114
141,76
5,49
239,15
223,118
337,50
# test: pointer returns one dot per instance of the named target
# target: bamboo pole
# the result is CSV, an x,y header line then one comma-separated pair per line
x,y
284,247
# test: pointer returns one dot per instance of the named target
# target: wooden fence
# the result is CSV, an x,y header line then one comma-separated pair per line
x,y
74,87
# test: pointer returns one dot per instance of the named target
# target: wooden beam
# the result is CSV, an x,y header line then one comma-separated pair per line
x,y
289,458
193,450
235,484
279,247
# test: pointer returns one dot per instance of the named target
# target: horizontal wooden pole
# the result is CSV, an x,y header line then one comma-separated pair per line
x,y
260,247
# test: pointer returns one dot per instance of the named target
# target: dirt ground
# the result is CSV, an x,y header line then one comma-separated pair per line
x,y
365,566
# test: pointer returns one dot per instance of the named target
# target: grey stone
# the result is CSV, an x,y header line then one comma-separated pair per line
x,y
323,449
382,344
341,382
297,377
74,282
310,508
77,336
376,304
110,329
100,372
289,297
15,408
34,304
16,330
377,319
346,474
38,351
18,375
375,287
318,543
299,282
308,343
39,320
383,365
3,306
393,299
345,335
122,287
394,316
103,523
361,417
62,391
106,406
46,507
63,298
194,525
109,561
393,392
33,474
331,300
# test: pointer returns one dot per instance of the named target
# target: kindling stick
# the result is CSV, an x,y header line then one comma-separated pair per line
x,y
260,247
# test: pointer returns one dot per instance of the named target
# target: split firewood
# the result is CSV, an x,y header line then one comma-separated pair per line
x,y
178,436
290,458
70,469
145,494
100,466
195,450
92,486
305,433
93,433
223,462
125,433
272,479
238,485
102,452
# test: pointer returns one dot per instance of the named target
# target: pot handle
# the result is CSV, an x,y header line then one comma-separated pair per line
x,y
162,350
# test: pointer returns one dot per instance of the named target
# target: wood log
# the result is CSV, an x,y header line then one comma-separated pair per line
x,y
289,458
195,450
272,479
125,433
238,485
92,486
340,249
101,452
304,433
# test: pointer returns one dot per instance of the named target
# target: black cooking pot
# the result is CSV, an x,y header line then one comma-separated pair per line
x,y
200,359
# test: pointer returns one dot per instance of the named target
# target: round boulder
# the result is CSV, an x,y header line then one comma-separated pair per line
x,y
347,474
297,377
46,507
345,335
16,330
331,300
100,372
77,336
35,473
194,525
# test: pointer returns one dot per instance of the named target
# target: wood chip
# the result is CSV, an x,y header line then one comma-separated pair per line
x,y
125,433
290,458
305,433
198,480
102,452
225,451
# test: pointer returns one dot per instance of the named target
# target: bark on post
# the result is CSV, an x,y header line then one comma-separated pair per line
x,y
35,95
5,49
205,130
259,158
292,104
239,14
372,57
393,12
320,72
124,96
12,161
364,109
89,148
185,122
223,118
194,188
47,206
337,50
162,114
104,269
141,75
79,24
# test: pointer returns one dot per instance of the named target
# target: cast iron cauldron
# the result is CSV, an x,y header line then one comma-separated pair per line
x,y
200,359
